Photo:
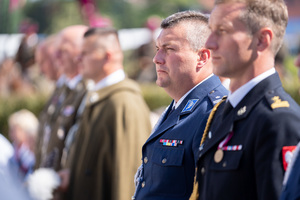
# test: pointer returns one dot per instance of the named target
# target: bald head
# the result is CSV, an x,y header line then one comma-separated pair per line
x,y
73,34
69,49
45,56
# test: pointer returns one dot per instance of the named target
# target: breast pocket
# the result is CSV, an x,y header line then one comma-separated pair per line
x,y
168,176
230,161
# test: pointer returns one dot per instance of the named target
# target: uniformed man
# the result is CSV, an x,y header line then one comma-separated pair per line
x,y
45,57
113,126
248,140
63,107
184,70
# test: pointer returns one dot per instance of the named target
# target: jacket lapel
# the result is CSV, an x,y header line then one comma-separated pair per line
x,y
241,111
188,105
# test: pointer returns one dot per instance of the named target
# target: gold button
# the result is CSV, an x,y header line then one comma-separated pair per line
x,y
143,184
145,160
164,160
202,170
224,164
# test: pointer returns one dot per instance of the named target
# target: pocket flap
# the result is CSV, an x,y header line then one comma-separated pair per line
x,y
230,161
168,156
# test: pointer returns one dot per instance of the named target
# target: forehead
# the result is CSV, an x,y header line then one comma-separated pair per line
x,y
226,14
173,35
90,41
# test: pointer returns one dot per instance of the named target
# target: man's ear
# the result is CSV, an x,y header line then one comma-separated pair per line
x,y
203,57
264,36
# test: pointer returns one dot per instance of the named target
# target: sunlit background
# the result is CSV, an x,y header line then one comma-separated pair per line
x,y
136,21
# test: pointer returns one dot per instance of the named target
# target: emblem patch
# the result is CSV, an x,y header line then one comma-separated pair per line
x,y
287,154
189,105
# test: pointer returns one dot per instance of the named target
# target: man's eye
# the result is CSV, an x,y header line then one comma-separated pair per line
x,y
169,48
221,31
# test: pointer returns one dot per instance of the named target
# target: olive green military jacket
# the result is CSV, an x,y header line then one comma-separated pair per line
x,y
115,124
46,119
58,126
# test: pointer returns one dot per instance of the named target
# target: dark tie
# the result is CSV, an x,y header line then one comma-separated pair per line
x,y
227,108
168,114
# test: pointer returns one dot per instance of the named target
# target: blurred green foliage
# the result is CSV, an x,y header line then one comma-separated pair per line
x,y
53,15
291,82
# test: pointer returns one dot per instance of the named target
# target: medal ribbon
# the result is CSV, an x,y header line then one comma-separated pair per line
x,y
222,145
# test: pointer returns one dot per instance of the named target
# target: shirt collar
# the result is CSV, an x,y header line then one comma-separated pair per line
x,y
111,79
240,93
176,105
61,80
74,81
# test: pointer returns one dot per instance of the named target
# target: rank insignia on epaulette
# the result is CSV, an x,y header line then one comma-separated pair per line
x,y
278,103
189,105
170,143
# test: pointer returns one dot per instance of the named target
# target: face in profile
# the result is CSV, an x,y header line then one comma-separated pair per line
x,y
231,44
175,60
92,58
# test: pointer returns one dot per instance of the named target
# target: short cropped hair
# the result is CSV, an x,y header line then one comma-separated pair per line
x,y
109,35
264,13
196,24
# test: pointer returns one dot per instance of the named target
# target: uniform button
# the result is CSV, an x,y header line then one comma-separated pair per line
x,y
143,184
145,160
164,160
202,170
224,164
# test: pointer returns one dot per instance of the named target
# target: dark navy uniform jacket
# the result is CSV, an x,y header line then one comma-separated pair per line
x,y
266,120
169,170
291,191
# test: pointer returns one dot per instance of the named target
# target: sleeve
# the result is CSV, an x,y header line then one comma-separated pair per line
x,y
273,133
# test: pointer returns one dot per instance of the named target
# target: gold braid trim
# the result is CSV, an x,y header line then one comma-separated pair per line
x,y
195,193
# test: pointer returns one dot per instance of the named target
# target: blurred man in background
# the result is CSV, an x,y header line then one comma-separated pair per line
x,y
59,114
112,128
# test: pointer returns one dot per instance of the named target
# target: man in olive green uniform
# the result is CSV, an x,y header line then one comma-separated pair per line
x,y
114,125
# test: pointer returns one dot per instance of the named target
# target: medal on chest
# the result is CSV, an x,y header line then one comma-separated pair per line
x,y
219,154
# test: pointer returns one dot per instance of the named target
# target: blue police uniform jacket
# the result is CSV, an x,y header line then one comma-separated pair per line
x,y
266,120
291,191
170,153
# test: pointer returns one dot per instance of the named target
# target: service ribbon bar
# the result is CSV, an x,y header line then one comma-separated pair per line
x,y
171,143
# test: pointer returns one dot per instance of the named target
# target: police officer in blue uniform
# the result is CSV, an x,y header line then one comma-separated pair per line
x,y
245,148
184,70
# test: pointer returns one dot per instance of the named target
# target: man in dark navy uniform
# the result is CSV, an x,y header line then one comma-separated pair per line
x,y
184,70
248,140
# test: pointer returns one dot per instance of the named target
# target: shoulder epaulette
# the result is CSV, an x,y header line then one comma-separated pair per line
x,y
276,101
215,96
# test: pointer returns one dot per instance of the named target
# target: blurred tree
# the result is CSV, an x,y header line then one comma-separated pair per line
x,y
52,16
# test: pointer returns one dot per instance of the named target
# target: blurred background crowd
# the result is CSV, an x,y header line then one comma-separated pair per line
x,y
27,24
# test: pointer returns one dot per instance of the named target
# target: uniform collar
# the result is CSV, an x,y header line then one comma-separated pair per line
x,y
239,94
176,105
72,83
111,79
61,81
